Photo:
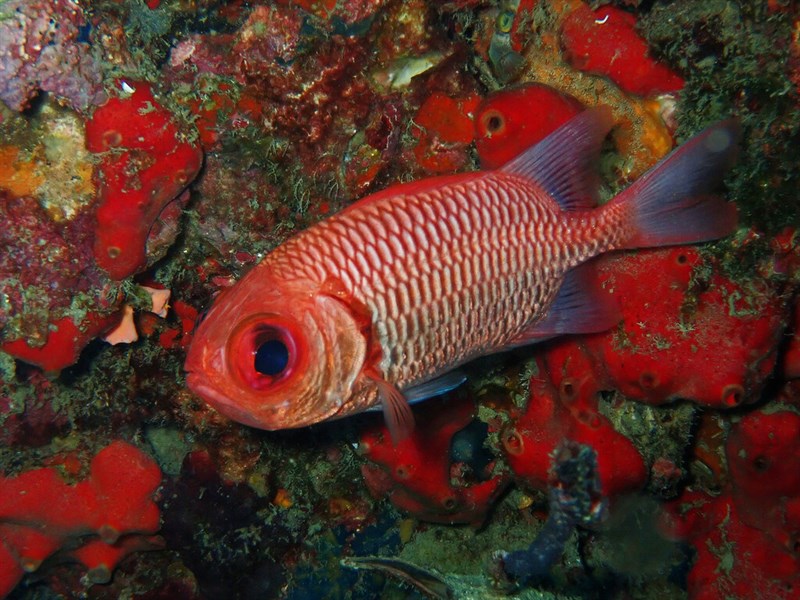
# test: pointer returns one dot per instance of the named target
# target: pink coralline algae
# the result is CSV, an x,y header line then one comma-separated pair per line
x,y
29,238
35,424
60,301
309,82
347,12
302,86
40,50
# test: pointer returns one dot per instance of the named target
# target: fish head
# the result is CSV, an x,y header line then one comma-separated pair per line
x,y
276,354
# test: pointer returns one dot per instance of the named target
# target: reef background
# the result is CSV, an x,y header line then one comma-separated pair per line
x,y
169,145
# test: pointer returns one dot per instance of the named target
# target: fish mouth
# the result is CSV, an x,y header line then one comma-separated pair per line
x,y
200,363
224,404
197,380
198,384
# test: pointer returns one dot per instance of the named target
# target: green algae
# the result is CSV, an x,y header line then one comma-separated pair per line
x,y
657,432
170,447
734,57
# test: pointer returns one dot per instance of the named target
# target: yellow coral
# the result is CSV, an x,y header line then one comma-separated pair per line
x,y
18,175
49,160
642,137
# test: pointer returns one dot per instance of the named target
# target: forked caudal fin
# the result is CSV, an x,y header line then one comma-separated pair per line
x,y
673,203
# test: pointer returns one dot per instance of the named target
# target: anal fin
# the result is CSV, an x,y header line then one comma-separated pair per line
x,y
580,306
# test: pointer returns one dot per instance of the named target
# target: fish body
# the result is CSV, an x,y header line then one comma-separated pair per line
x,y
380,302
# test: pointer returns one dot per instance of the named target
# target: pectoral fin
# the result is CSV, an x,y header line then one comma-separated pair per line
x,y
396,411
395,404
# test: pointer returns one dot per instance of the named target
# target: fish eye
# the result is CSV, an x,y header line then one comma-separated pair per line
x,y
271,357
265,350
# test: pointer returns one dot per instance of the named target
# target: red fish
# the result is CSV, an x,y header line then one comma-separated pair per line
x,y
381,302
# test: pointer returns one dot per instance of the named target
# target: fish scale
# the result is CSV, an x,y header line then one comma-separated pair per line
x,y
460,271
409,283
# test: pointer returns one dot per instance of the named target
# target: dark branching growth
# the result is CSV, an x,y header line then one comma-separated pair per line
x,y
575,500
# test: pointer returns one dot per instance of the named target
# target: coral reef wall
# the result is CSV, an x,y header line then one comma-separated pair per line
x,y
153,151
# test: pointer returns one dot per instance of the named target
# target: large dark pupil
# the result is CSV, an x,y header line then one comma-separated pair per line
x,y
271,357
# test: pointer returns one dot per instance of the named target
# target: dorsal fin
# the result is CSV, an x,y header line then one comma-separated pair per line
x,y
564,163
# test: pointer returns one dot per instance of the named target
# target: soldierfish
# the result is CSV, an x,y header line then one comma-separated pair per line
x,y
379,303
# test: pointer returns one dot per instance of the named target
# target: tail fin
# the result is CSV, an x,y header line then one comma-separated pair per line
x,y
673,202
